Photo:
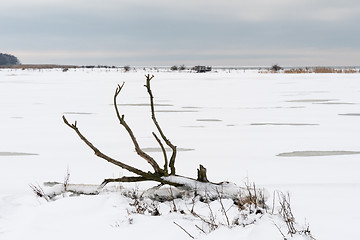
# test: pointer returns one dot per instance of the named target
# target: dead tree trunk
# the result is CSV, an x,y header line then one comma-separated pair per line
x,y
201,174
159,173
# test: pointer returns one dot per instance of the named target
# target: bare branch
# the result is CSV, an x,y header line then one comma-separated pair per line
x,y
123,179
172,199
167,141
66,179
200,228
101,155
286,213
280,230
223,208
164,153
210,222
184,230
138,150
147,176
39,192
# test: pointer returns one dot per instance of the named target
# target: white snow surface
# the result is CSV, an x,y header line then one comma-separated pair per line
x,y
241,125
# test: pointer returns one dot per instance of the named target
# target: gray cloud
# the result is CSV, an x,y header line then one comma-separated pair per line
x,y
256,32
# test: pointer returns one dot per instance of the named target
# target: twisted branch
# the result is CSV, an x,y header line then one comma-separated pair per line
x,y
167,141
102,155
142,176
138,150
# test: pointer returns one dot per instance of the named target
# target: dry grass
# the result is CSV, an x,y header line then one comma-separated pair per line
x,y
296,70
38,66
319,70
39,191
326,70
350,71
254,197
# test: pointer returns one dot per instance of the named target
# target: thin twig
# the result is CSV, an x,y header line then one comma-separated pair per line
x,y
255,196
164,153
173,201
39,192
184,230
280,230
212,224
200,228
223,208
273,205
212,218
286,213
66,179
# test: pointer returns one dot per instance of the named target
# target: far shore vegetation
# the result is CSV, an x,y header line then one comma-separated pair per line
x,y
8,61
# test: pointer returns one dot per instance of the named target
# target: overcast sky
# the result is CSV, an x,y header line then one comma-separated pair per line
x,y
168,32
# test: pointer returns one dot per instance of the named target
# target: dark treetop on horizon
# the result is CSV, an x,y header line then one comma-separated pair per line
x,y
7,59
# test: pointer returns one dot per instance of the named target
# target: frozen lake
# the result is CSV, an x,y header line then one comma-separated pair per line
x,y
298,133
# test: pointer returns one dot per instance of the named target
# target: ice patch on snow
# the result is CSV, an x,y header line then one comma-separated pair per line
x,y
78,113
194,126
337,103
144,104
177,111
208,120
316,153
284,124
7,154
350,114
190,107
150,149
312,100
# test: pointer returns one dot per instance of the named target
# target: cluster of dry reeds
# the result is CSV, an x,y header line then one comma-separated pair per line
x,y
320,70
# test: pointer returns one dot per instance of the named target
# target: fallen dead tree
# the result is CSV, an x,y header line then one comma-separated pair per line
x,y
166,176
159,174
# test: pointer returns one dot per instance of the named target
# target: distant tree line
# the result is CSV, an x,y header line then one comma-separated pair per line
x,y
176,68
7,59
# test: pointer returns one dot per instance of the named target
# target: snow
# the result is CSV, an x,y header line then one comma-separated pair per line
x,y
240,125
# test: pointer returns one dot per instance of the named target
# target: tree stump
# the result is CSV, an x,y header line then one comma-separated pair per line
x,y
201,174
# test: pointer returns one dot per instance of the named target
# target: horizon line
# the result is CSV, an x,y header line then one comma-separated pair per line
x,y
241,67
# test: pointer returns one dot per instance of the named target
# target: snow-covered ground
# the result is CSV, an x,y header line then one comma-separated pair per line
x,y
293,133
